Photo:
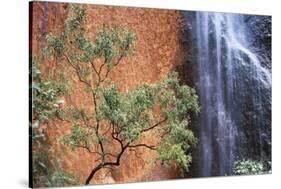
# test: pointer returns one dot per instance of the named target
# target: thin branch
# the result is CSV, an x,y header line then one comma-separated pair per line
x,y
102,148
87,148
120,58
62,119
77,71
118,140
101,67
122,55
153,126
165,133
85,121
117,162
106,74
97,125
106,131
116,64
116,137
95,70
142,145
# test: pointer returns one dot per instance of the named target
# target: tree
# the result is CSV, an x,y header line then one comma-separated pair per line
x,y
121,118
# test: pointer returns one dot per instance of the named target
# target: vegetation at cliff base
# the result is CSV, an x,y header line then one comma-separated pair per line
x,y
251,167
45,98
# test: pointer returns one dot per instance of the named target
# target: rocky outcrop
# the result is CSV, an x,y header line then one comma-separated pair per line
x,y
260,37
158,49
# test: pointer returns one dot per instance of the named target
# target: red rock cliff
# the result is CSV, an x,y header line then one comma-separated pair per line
x,y
157,51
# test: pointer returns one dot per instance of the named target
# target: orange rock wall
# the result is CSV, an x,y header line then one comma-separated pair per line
x,y
157,51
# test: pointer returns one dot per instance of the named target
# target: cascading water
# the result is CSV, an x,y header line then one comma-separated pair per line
x,y
235,95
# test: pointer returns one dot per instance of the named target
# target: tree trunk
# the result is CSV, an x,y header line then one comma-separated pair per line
x,y
93,173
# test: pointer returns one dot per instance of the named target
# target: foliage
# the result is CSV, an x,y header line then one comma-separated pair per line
x,y
45,107
47,174
62,178
131,113
162,108
77,137
72,43
44,171
251,167
45,94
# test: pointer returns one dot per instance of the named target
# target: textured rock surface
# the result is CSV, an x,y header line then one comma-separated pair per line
x,y
157,50
260,37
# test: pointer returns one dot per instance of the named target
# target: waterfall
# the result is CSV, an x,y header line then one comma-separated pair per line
x,y
235,94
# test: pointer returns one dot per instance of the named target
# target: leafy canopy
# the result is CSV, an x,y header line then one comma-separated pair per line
x,y
132,114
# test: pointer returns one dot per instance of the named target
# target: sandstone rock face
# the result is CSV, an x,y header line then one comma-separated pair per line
x,y
157,51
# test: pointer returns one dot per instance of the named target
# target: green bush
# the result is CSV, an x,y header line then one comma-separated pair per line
x,y
46,170
251,167
45,100
45,95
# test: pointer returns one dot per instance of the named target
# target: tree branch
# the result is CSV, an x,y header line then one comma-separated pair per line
x,y
122,55
117,162
116,64
97,126
153,126
104,164
85,119
106,75
101,67
123,149
120,58
106,131
116,137
62,119
142,145
93,172
87,148
165,133
77,71
95,70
